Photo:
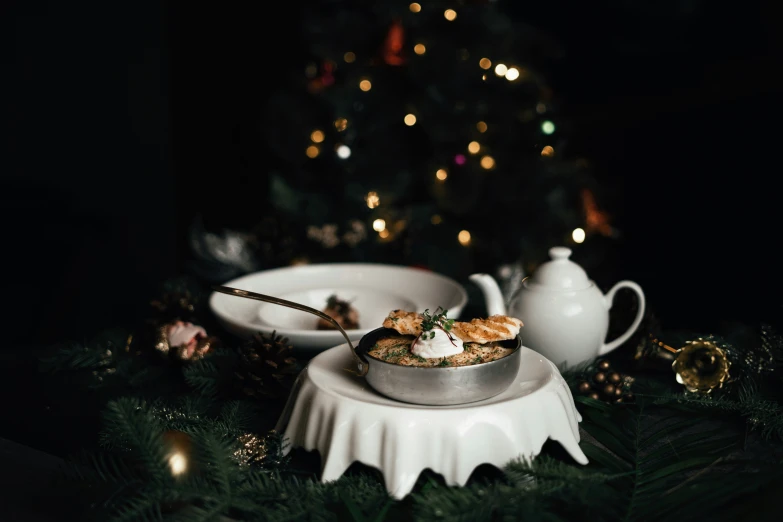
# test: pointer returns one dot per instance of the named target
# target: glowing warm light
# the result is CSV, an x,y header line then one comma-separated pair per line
x,y
414,7
450,15
312,151
464,237
501,69
383,234
578,235
410,120
378,225
436,219
485,63
481,126
365,85
441,174
547,127
372,199
548,151
541,108
343,151
419,49
317,136
349,57
488,162
340,124
474,147
512,74
484,77
178,463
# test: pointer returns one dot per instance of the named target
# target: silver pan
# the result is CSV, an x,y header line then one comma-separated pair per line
x,y
436,386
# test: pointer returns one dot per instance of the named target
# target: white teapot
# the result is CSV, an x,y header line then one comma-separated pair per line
x,y
565,315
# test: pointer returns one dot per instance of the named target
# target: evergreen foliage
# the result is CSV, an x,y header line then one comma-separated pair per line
x,y
668,454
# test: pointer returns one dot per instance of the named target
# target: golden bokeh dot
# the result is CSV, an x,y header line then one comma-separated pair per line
x,y
365,85
419,49
379,224
436,219
383,233
317,136
548,151
512,74
488,162
464,237
372,199
501,69
414,7
349,57
312,151
410,120
441,174
340,124
474,147
485,63
481,126
450,15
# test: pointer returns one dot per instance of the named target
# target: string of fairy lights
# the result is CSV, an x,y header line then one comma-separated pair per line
x,y
474,148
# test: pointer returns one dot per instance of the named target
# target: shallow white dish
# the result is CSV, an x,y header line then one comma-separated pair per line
x,y
334,411
373,289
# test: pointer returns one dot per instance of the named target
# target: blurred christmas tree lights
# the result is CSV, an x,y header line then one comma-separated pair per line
x,y
429,125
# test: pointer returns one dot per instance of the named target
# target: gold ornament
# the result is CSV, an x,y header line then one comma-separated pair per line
x,y
178,445
701,366
252,449
193,350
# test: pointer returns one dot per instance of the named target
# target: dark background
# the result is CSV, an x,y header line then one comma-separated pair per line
x,y
121,120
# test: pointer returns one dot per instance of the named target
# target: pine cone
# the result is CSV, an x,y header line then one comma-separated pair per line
x,y
267,367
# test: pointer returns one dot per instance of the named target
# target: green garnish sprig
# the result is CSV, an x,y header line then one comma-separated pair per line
x,y
430,322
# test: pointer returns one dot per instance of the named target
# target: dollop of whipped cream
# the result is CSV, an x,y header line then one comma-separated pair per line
x,y
439,345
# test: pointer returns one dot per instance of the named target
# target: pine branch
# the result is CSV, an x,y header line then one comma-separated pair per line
x,y
130,426
74,356
763,414
237,416
663,451
213,456
203,377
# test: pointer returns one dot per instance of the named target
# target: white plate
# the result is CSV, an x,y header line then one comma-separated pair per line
x,y
337,413
373,289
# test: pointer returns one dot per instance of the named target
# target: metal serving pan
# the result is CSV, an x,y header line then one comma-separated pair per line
x,y
433,386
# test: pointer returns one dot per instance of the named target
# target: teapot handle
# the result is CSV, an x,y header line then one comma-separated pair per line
x,y
608,299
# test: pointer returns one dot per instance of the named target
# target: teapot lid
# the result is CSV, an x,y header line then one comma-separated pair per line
x,y
560,273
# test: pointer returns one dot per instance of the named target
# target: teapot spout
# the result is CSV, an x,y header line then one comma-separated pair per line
x,y
492,293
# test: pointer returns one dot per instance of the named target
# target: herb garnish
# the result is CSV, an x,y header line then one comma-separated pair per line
x,y
431,322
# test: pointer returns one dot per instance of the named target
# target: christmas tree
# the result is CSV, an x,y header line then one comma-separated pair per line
x,y
420,134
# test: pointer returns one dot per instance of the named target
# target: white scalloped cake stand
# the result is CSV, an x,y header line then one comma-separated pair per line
x,y
337,413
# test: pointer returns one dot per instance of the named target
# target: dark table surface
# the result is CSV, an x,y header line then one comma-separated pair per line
x,y
25,474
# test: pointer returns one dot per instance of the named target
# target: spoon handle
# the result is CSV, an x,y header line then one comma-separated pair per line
x,y
363,367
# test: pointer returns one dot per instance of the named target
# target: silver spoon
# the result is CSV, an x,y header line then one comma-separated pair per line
x,y
362,364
